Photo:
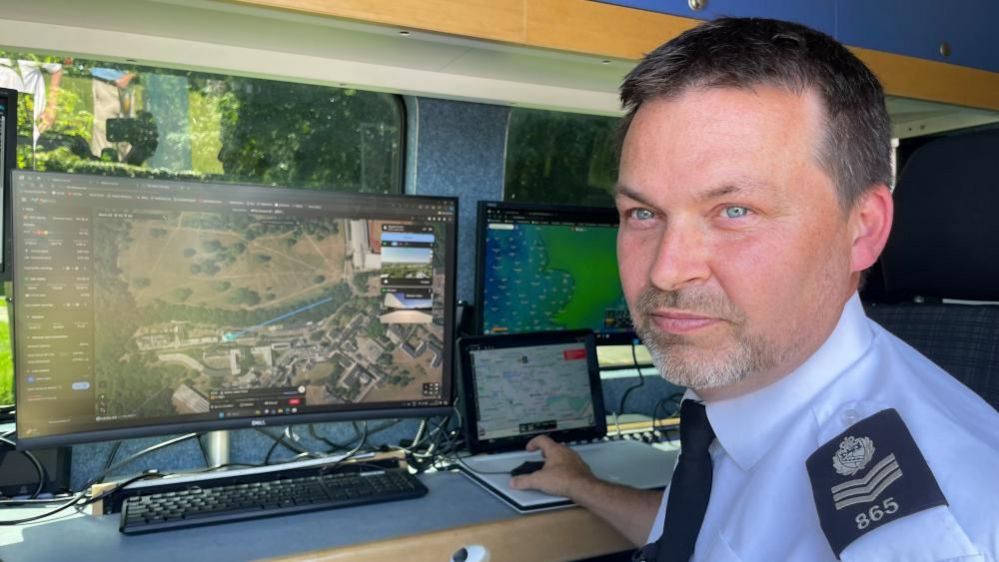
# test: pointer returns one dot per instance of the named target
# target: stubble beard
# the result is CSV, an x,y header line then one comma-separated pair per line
x,y
679,358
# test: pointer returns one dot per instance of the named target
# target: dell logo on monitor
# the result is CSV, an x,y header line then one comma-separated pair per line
x,y
257,423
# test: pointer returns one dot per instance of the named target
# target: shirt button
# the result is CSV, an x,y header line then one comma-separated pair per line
x,y
849,417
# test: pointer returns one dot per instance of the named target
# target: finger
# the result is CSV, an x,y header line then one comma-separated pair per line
x,y
522,482
541,442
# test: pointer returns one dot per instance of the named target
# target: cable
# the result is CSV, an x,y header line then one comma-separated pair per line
x,y
32,502
437,453
227,466
676,397
279,441
121,485
100,476
414,443
641,378
315,435
70,503
34,460
204,451
111,455
362,433
80,500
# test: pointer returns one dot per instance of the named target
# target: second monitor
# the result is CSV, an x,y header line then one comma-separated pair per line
x,y
545,267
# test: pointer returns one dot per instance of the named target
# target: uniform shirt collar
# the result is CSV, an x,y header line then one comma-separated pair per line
x,y
767,412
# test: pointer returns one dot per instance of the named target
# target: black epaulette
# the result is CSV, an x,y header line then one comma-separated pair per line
x,y
869,475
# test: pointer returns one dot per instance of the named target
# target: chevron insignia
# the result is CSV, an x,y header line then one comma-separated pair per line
x,y
865,486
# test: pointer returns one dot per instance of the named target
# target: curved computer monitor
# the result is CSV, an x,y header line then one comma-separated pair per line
x,y
547,267
146,307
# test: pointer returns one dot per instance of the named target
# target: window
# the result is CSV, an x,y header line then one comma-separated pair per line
x,y
96,117
565,158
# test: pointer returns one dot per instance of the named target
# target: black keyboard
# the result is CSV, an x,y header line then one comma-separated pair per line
x,y
221,501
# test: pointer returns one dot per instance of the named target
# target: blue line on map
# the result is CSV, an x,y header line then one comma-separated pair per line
x,y
231,336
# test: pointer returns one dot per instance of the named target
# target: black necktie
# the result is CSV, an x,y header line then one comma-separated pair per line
x,y
689,489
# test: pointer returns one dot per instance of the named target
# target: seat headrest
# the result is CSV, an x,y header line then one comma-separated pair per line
x,y
945,240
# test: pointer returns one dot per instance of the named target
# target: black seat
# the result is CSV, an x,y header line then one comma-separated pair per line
x,y
944,247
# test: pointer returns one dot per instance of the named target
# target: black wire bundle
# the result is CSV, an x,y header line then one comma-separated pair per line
x,y
427,449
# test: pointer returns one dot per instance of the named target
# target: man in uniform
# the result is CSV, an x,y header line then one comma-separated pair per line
x,y
753,193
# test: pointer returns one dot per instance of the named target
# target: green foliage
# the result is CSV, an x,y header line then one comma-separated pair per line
x,y
246,360
232,129
222,286
244,297
335,373
181,294
141,282
563,158
402,379
115,357
205,124
308,136
319,279
376,330
6,360
361,282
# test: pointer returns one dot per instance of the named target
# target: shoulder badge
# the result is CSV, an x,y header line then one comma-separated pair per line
x,y
858,486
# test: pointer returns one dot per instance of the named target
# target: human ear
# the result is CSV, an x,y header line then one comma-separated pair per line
x,y
870,223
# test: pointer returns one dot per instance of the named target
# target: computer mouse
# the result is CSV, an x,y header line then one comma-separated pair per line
x,y
527,467
471,553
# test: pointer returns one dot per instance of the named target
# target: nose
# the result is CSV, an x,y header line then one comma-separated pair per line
x,y
681,258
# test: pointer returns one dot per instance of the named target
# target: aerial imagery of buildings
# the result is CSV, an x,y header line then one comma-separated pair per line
x,y
330,310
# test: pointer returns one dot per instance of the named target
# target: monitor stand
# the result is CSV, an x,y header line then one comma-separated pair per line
x,y
218,448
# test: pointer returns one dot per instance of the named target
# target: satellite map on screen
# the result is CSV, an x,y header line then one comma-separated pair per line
x,y
550,277
214,308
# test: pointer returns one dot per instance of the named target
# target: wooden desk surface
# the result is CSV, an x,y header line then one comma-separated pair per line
x,y
565,534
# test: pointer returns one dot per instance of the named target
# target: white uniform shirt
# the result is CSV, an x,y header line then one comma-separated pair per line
x,y
761,506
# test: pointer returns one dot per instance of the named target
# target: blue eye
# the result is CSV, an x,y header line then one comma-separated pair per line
x,y
642,214
736,212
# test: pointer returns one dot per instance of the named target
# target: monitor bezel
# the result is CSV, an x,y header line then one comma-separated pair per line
x,y
161,430
624,337
9,164
528,339
279,420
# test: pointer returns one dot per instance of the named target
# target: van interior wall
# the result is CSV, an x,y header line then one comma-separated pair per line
x,y
459,152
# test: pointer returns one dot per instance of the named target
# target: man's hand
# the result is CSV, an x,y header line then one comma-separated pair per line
x,y
563,474
628,510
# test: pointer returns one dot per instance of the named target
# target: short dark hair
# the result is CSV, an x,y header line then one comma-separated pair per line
x,y
747,52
